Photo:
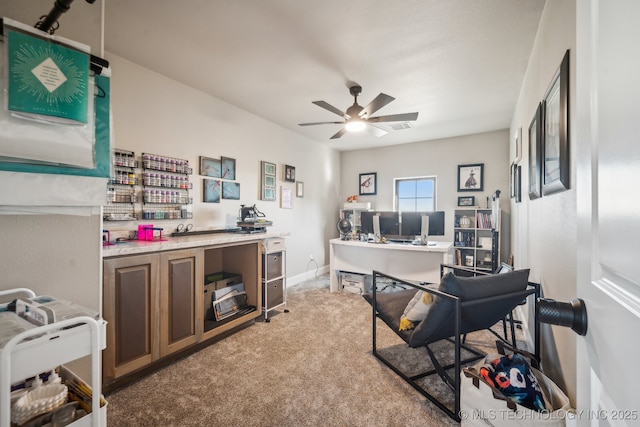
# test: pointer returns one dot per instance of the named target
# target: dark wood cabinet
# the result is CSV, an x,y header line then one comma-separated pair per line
x,y
154,303
178,316
130,298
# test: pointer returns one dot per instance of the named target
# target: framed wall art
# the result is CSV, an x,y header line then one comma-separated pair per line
x,y
471,177
466,201
368,184
555,154
518,141
230,190
209,167
511,185
211,190
299,189
289,173
227,168
267,181
535,154
286,199
517,180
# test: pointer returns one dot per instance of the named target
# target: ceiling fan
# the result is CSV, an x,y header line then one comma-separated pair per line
x,y
358,118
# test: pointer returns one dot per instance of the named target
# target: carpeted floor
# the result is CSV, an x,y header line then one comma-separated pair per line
x,y
310,367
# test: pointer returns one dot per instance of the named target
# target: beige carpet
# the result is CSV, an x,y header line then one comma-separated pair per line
x,y
310,367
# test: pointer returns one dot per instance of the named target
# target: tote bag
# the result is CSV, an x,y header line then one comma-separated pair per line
x,y
484,405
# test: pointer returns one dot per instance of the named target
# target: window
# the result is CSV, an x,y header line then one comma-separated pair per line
x,y
415,194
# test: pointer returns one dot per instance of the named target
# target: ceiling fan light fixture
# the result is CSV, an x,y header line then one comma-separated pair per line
x,y
355,125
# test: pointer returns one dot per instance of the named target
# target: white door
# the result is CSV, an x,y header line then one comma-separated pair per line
x,y
608,196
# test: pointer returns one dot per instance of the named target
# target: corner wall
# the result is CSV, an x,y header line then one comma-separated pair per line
x,y
544,230
439,158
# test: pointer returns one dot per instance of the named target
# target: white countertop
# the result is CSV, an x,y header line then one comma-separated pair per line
x,y
136,247
433,246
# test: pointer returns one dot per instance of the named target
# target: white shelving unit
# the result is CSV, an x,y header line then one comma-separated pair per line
x,y
351,212
44,348
476,236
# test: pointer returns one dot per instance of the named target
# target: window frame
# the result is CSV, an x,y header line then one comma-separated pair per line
x,y
415,178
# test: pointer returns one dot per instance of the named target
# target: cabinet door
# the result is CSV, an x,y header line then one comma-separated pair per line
x,y
178,318
130,298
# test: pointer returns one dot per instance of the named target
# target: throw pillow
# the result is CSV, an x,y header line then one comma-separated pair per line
x,y
416,310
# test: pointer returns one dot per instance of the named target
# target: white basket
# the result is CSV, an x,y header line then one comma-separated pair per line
x,y
38,401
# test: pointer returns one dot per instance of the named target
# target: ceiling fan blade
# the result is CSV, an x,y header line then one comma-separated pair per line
x,y
406,117
376,131
339,133
320,123
380,101
329,107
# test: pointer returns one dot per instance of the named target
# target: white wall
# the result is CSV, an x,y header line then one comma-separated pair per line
x,y
157,115
439,158
544,230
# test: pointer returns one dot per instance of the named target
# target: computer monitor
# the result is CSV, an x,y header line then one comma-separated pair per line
x,y
366,222
390,224
412,223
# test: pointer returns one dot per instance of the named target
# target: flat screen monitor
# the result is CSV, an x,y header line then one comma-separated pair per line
x,y
366,222
389,224
412,223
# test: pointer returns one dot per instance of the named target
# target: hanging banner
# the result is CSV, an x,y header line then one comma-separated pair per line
x,y
47,99
47,79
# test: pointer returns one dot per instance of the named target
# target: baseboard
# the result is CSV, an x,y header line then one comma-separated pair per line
x,y
520,315
295,280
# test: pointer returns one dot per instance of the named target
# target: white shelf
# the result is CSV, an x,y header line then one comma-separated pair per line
x,y
43,348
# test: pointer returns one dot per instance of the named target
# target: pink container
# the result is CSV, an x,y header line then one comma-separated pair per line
x,y
145,232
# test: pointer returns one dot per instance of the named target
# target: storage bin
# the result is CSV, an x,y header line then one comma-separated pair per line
x,y
272,266
274,244
355,282
273,294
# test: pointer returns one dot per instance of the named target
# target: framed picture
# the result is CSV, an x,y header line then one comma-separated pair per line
x,y
299,189
286,200
368,184
466,201
211,190
267,181
555,154
512,187
228,168
518,140
289,173
269,194
210,167
268,168
230,190
535,154
471,177
517,180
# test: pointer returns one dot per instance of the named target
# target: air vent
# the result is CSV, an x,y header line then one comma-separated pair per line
x,y
400,126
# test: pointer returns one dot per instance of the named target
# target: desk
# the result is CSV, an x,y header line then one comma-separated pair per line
x,y
402,260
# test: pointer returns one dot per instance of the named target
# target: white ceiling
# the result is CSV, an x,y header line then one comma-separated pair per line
x,y
458,63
